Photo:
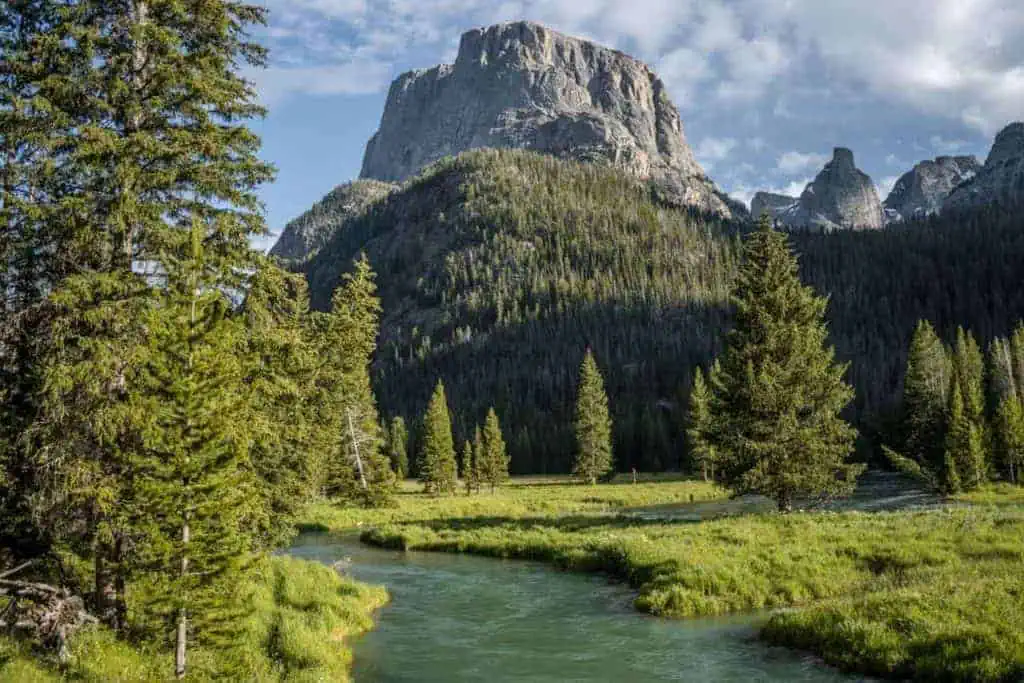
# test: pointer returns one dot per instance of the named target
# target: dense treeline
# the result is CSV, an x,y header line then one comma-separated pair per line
x,y
157,435
500,267
962,415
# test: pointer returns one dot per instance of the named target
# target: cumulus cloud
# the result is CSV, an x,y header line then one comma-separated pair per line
x,y
793,162
710,150
960,59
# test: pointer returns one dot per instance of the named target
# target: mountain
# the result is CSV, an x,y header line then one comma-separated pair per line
x,y
304,236
498,267
774,204
922,190
840,197
523,85
1001,179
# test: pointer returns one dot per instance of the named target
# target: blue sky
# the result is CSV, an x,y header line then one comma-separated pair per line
x,y
765,88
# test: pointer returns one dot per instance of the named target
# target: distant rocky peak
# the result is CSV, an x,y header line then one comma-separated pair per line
x,y
1008,145
1001,179
841,196
923,189
842,157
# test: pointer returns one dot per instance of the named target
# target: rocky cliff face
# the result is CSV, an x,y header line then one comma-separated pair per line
x,y
840,197
523,85
774,204
922,190
1001,179
304,236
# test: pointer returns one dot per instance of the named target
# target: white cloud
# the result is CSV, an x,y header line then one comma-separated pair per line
x,y
943,146
710,150
959,59
791,163
277,83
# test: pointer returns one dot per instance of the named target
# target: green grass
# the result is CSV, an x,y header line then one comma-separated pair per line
x,y
522,496
303,613
930,595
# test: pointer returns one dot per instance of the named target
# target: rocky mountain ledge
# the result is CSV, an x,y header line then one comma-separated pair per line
x,y
523,85
1001,179
922,190
840,197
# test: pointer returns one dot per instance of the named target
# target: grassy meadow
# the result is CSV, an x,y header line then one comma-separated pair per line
x,y
934,594
303,613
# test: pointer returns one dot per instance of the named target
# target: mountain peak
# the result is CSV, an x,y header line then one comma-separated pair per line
x,y
1009,144
842,156
1001,179
523,85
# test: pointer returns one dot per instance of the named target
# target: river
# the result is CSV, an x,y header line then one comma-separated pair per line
x,y
458,618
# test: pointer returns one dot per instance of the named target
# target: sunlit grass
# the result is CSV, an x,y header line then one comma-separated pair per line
x,y
929,594
303,611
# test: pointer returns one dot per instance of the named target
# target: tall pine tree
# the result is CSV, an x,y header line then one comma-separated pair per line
x,y
926,397
699,430
438,469
398,445
493,465
593,424
778,396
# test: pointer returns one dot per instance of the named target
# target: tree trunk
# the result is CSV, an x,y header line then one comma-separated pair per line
x,y
120,598
182,635
355,449
785,502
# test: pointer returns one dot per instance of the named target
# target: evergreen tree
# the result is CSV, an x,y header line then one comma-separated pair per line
x,y
969,374
478,456
279,375
357,468
398,443
1010,436
469,468
699,428
493,465
958,454
926,397
779,392
193,475
593,424
438,470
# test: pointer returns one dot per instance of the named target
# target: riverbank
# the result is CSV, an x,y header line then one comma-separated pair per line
x,y
303,612
927,594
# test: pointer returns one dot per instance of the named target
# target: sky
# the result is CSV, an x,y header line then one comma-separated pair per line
x,y
765,88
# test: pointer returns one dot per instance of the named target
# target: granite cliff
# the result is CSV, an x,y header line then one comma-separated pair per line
x,y
840,197
522,85
922,190
1001,179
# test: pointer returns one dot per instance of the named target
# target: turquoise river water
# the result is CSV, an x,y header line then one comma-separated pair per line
x,y
457,618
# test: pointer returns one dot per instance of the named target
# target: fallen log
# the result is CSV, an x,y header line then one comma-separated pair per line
x,y
51,614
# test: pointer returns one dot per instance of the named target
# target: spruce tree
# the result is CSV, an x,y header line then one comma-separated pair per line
x,y
398,444
926,398
438,470
593,424
469,468
478,455
493,465
699,427
1010,436
193,475
357,468
287,437
957,455
779,393
974,442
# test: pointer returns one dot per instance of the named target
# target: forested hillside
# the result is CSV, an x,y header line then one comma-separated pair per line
x,y
498,268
